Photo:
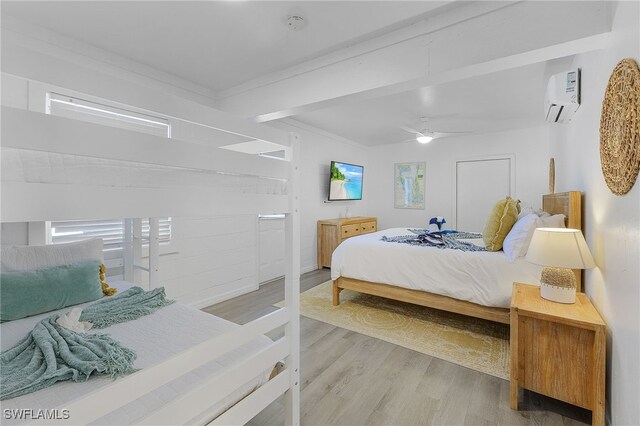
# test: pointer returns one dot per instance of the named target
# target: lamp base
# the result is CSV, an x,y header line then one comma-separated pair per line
x,y
558,285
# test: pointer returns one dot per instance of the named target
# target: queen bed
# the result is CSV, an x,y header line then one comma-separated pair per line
x,y
474,283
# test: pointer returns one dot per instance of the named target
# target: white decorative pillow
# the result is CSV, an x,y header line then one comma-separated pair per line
x,y
555,221
525,211
26,258
517,240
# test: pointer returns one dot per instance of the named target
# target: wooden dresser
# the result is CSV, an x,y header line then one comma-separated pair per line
x,y
331,232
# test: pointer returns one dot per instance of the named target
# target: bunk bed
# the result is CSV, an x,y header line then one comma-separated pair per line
x,y
478,276
221,396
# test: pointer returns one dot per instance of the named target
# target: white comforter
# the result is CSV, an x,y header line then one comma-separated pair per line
x,y
154,338
479,277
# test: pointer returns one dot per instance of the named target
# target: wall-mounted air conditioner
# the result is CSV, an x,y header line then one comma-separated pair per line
x,y
563,96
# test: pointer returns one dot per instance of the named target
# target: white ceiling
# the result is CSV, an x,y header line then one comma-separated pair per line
x,y
219,44
495,102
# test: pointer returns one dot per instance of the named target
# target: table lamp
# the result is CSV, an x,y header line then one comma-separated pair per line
x,y
559,250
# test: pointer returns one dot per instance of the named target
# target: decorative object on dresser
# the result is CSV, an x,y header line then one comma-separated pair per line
x,y
620,128
331,232
559,250
558,350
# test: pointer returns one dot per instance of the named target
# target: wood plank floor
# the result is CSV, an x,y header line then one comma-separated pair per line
x,y
352,379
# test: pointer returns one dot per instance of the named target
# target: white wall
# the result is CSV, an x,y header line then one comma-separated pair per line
x,y
318,149
14,234
213,258
612,222
530,147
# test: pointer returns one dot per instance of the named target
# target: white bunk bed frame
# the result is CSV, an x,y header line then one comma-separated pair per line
x,y
30,202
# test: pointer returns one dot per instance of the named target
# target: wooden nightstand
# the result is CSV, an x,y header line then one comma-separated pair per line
x,y
558,350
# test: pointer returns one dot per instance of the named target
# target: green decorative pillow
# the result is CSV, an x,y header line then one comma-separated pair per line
x,y
501,219
27,293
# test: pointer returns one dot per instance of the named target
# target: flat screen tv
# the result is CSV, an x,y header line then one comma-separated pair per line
x,y
345,182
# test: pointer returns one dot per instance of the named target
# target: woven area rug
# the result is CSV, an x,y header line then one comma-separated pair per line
x,y
474,343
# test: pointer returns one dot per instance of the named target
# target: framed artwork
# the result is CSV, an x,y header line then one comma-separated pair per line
x,y
408,183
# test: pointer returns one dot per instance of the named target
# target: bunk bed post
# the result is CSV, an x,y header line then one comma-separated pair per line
x,y
137,251
128,250
154,251
292,286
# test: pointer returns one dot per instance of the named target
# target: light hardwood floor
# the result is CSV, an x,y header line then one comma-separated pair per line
x,y
352,379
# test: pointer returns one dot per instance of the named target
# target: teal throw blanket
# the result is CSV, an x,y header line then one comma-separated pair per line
x,y
51,353
126,306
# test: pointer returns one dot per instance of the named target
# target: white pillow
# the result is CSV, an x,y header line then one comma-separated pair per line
x,y
26,258
555,221
517,240
525,211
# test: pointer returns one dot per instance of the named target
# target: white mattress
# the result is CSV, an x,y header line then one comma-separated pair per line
x,y
484,278
154,338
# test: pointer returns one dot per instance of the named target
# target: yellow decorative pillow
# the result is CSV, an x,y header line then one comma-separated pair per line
x,y
106,290
501,219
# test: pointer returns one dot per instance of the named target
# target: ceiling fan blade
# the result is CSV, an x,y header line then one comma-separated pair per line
x,y
452,133
409,130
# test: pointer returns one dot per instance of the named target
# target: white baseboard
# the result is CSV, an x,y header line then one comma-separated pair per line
x,y
305,269
270,281
212,300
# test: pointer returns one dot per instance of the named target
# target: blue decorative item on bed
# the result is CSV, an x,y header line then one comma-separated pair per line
x,y
442,240
52,353
435,223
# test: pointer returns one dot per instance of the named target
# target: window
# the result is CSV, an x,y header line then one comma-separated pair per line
x,y
270,216
111,231
93,112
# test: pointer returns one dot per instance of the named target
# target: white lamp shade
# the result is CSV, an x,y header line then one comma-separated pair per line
x,y
560,248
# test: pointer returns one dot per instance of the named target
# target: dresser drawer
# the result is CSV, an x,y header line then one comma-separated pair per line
x,y
347,231
367,227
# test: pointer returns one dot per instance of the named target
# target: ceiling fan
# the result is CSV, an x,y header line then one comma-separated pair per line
x,y
426,134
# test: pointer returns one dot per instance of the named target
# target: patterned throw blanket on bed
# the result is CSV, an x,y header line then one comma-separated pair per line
x,y
52,353
442,240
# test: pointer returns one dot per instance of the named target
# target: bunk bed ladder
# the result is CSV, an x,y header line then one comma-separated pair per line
x,y
133,240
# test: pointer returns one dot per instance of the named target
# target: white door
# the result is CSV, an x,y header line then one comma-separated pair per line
x,y
479,185
271,240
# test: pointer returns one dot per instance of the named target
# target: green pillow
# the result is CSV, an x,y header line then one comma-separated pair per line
x,y
27,293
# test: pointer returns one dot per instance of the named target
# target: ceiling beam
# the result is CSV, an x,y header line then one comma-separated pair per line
x,y
562,50
448,16
496,39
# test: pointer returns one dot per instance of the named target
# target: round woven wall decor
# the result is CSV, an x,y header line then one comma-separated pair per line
x,y
620,128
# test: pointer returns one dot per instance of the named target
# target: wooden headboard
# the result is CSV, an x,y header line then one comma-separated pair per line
x,y
570,205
